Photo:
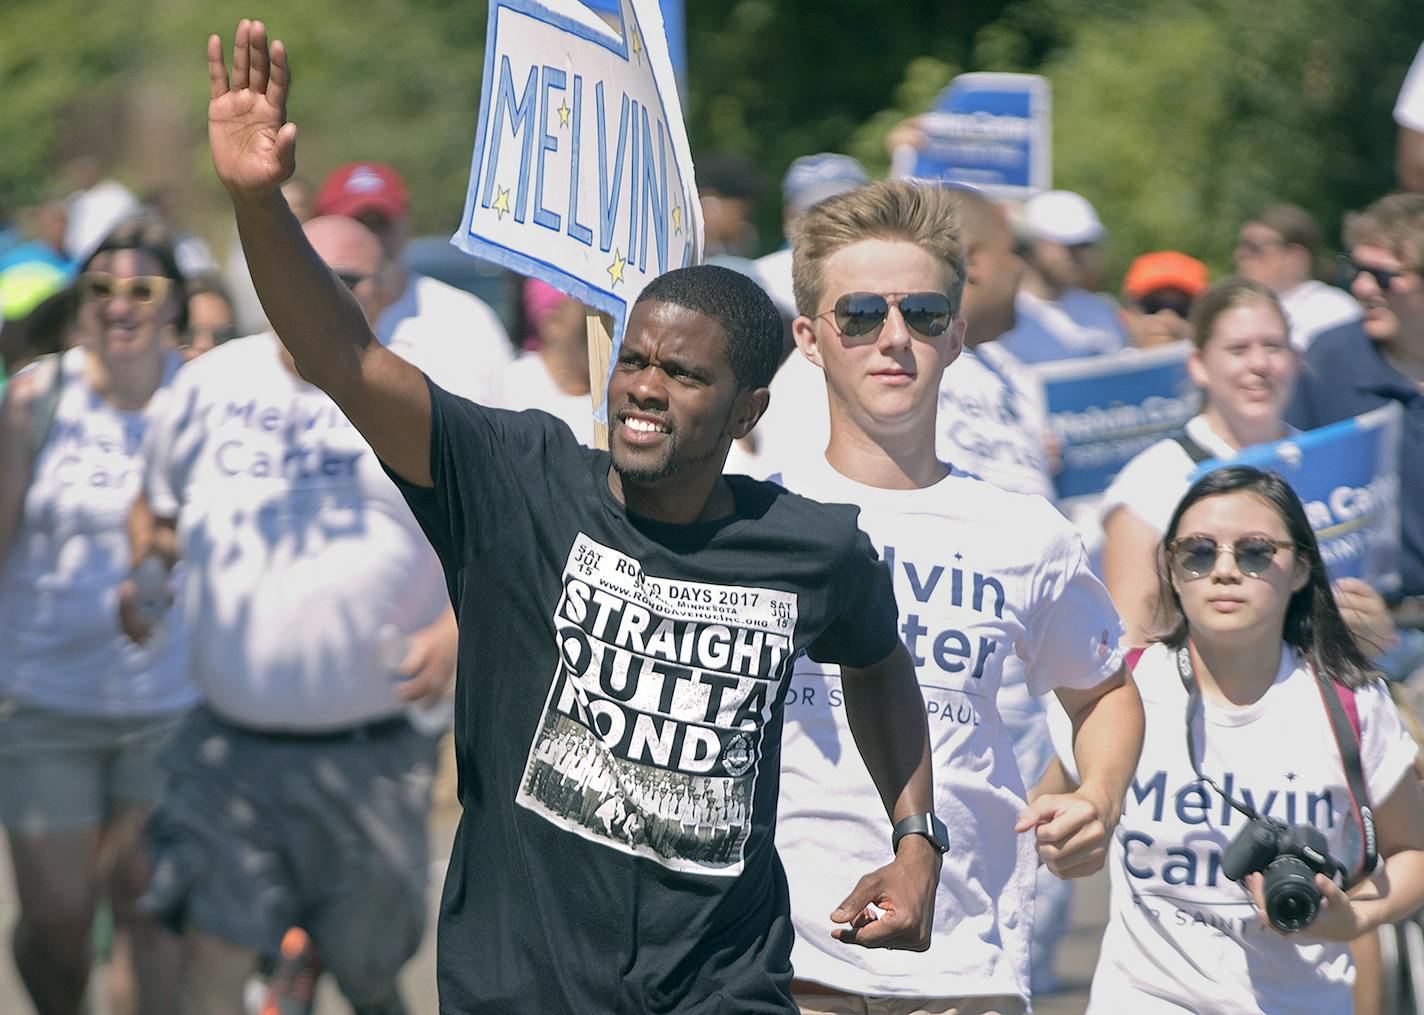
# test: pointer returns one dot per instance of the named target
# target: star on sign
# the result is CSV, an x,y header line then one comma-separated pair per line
x,y
676,219
564,111
501,202
615,270
1290,777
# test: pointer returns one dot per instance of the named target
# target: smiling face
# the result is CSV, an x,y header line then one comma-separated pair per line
x,y
887,379
1225,601
1247,368
674,404
127,305
1388,312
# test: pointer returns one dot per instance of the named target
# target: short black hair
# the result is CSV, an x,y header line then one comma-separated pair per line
x,y
742,308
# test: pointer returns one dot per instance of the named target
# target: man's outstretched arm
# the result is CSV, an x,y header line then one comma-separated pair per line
x,y
313,313
887,717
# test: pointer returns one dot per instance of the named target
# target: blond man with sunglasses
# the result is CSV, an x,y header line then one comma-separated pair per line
x,y
84,711
981,574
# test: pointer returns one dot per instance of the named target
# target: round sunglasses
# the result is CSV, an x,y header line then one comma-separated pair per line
x,y
857,314
1195,556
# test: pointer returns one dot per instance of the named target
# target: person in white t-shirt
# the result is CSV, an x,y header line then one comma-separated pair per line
x,y
1409,115
1251,637
1280,248
552,376
454,330
980,574
1246,368
298,793
83,713
1059,314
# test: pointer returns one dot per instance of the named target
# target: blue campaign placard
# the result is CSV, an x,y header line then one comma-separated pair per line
x,y
1106,409
1347,476
992,131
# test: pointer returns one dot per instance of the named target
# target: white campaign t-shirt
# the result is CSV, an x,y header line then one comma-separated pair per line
x,y
1153,482
1180,936
1313,307
451,335
989,426
526,383
298,546
60,643
774,274
979,574
1078,323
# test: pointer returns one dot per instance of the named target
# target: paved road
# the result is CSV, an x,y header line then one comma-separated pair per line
x,y
1075,958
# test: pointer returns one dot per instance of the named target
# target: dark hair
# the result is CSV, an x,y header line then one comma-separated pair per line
x,y
151,236
1313,625
741,307
1294,225
729,175
208,284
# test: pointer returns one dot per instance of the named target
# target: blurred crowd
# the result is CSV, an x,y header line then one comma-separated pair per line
x,y
313,616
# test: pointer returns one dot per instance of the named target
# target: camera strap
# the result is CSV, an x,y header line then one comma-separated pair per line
x,y
1347,741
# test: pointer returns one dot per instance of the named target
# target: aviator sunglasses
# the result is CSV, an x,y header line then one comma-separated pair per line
x,y
1350,269
1195,556
861,313
144,290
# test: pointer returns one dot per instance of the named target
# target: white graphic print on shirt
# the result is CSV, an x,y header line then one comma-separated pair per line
x,y
651,737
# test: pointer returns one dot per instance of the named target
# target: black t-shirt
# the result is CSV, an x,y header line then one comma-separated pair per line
x,y
618,722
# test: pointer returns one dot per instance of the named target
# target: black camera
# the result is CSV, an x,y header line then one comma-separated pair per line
x,y
1289,856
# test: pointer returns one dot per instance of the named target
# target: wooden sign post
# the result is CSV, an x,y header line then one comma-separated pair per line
x,y
600,347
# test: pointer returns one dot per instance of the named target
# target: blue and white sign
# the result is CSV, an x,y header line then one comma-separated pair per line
x,y
582,175
1106,409
1347,476
992,131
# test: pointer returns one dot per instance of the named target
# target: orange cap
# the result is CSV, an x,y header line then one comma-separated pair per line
x,y
1164,269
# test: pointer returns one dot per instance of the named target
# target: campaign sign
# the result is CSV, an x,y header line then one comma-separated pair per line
x,y
992,131
1106,409
582,175
1347,476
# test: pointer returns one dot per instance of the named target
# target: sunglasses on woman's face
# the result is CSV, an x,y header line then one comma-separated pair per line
x,y
1195,556
145,290
861,313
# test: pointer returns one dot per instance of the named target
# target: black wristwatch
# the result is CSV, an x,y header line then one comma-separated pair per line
x,y
925,824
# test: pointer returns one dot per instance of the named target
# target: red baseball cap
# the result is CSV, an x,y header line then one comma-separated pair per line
x,y
360,187
1164,269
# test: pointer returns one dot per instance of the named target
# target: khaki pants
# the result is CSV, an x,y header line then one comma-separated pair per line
x,y
855,1004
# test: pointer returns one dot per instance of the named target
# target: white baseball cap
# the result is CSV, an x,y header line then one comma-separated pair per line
x,y
1064,217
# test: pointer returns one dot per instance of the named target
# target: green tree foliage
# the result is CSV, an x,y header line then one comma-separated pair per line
x,y
46,68
1175,117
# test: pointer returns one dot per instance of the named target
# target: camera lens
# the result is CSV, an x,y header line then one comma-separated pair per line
x,y
1292,900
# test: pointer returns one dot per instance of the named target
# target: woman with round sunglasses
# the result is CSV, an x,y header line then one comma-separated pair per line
x,y
82,710
1237,694
1246,369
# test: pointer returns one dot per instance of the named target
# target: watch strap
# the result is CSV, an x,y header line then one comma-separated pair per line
x,y
926,824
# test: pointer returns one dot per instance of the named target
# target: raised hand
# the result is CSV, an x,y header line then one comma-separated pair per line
x,y
253,145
